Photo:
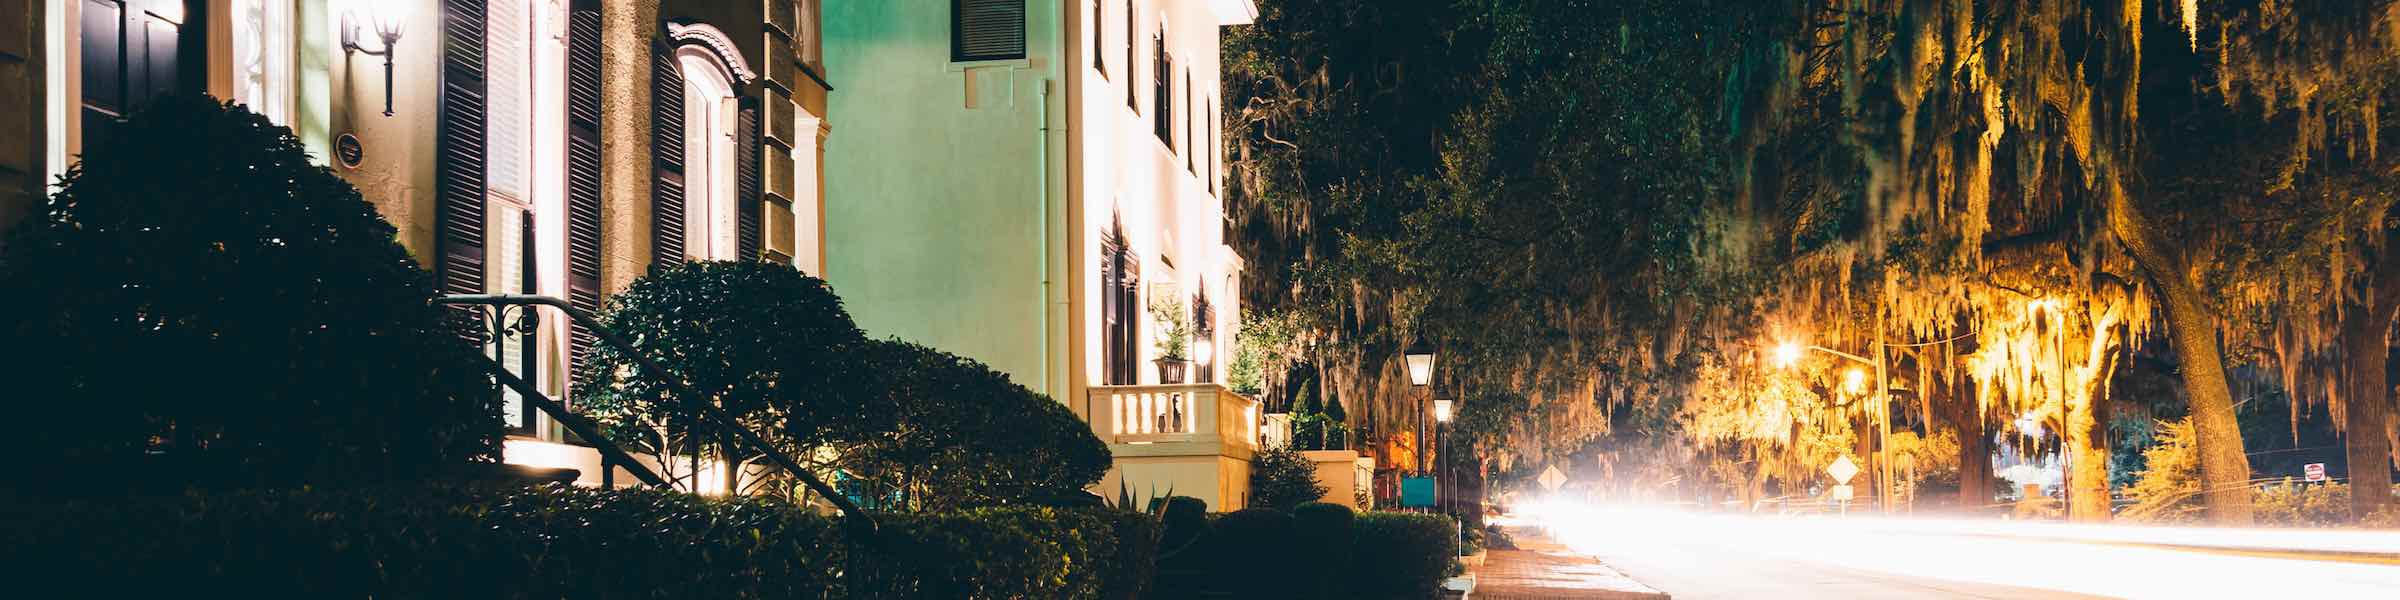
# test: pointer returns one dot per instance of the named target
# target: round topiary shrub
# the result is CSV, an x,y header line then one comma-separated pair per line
x,y
1282,478
960,434
769,345
199,305
1184,519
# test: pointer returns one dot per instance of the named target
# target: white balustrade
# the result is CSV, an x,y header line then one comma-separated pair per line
x,y
1174,413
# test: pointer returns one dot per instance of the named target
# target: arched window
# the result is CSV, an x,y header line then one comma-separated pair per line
x,y
710,117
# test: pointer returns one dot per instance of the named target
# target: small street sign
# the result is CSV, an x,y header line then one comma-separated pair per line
x,y
1551,478
2313,472
1842,493
1842,470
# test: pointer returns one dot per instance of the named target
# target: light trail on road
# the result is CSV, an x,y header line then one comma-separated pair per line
x,y
1718,555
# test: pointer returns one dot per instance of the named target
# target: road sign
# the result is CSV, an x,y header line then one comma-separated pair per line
x,y
1842,493
1551,478
2314,471
1416,491
1842,470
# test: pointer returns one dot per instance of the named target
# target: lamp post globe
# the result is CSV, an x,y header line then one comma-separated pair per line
x,y
1420,363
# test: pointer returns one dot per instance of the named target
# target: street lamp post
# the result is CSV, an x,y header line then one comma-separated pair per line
x,y
1419,357
1789,353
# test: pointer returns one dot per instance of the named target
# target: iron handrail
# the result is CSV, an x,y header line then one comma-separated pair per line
x,y
581,426
710,412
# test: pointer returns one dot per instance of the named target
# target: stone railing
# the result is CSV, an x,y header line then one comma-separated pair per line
x,y
1192,412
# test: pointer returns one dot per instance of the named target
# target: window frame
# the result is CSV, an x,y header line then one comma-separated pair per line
x,y
958,34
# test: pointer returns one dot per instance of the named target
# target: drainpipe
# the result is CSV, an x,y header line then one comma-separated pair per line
x,y
1044,198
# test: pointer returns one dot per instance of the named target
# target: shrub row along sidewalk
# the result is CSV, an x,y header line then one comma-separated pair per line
x,y
558,542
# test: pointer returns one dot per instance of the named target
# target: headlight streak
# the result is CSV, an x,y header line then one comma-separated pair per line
x,y
2109,560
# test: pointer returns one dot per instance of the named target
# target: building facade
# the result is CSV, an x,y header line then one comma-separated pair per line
x,y
551,147
1037,185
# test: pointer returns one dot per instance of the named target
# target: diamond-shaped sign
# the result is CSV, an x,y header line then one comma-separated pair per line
x,y
1842,470
1551,478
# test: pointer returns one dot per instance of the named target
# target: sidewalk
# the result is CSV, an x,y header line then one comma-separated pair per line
x,y
1541,569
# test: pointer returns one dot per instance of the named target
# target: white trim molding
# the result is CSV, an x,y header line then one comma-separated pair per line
x,y
715,40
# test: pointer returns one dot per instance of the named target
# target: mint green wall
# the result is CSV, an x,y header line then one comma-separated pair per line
x,y
934,211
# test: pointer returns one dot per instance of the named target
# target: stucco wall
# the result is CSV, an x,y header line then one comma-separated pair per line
x,y
935,203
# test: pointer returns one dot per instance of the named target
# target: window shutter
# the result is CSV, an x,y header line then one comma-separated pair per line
x,y
749,206
583,172
459,175
987,30
666,157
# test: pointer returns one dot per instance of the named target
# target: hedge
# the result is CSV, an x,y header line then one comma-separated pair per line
x,y
559,542
1323,552
1402,555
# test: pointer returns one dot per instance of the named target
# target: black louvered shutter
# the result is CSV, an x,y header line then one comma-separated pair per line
x,y
746,156
583,172
459,172
987,30
666,157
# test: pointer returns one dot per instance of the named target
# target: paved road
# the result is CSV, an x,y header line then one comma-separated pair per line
x,y
1697,557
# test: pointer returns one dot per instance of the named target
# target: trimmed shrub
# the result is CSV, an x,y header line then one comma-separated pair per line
x,y
1282,478
1183,521
555,542
199,306
1402,555
961,434
1324,534
772,346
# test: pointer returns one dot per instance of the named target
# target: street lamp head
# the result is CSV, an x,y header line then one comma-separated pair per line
x,y
1855,381
1787,354
1420,363
1441,410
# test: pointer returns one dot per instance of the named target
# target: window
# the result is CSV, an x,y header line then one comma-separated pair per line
x,y
710,151
525,189
809,46
1132,100
1120,285
1162,98
1099,56
262,57
987,30
1191,143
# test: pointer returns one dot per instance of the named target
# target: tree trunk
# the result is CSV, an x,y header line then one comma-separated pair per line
x,y
2087,469
2366,409
2224,465
1974,450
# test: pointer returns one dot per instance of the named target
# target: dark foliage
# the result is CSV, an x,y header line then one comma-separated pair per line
x,y
1281,478
1324,533
1402,555
769,344
1366,556
1184,519
961,434
553,542
199,305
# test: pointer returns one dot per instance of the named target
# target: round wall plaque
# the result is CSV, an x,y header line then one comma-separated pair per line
x,y
348,149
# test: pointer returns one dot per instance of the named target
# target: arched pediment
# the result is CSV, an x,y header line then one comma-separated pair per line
x,y
717,43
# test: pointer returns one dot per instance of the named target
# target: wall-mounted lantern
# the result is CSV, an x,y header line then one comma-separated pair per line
x,y
385,17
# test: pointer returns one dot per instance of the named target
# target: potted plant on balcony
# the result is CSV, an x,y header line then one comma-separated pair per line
x,y
1174,339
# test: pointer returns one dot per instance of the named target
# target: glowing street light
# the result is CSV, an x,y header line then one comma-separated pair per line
x,y
1420,363
1441,410
1787,354
1855,381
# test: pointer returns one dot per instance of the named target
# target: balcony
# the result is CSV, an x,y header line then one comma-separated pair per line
x,y
1190,439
